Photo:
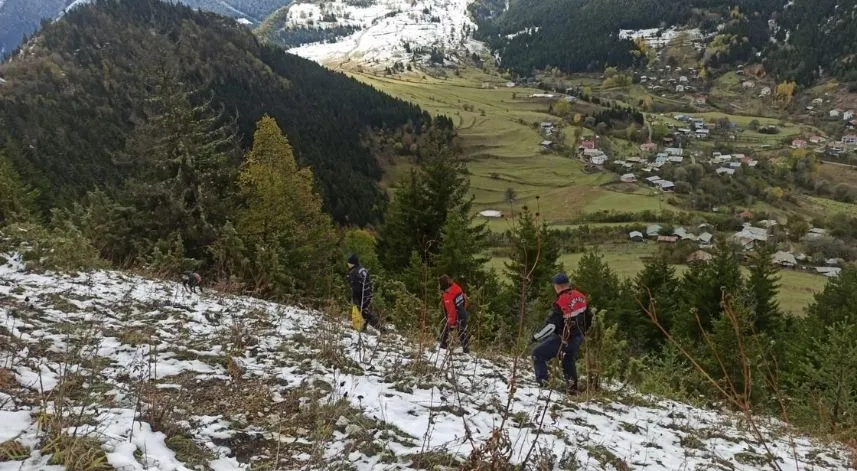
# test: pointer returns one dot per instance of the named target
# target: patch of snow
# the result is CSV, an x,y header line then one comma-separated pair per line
x,y
190,331
658,38
387,30
244,21
13,424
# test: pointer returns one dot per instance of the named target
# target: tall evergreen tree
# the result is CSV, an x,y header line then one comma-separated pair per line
x,y
15,198
184,157
439,188
460,254
595,278
655,289
762,287
838,301
290,240
703,288
534,251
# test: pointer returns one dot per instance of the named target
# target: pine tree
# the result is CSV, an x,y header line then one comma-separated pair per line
x,y
838,301
283,226
702,289
15,198
439,188
594,278
762,288
184,158
655,288
460,254
534,251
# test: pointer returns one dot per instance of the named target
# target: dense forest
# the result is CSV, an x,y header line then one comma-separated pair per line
x,y
578,35
20,18
72,100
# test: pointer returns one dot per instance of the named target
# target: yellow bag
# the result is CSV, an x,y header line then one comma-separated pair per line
x,y
357,320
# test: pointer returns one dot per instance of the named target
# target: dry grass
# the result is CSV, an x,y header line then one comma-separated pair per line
x,y
13,450
76,453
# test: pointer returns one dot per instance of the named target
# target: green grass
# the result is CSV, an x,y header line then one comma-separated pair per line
x,y
502,153
796,287
830,207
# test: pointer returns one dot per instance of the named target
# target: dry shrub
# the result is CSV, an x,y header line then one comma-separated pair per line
x,y
493,455
12,450
7,379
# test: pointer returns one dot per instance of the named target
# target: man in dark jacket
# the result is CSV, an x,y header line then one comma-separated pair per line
x,y
563,333
455,311
361,291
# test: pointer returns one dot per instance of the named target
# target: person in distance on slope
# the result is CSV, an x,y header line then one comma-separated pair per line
x,y
563,333
455,310
361,291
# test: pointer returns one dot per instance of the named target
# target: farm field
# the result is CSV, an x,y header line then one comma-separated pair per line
x,y
796,287
495,124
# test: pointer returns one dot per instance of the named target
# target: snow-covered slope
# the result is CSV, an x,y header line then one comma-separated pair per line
x,y
389,31
163,380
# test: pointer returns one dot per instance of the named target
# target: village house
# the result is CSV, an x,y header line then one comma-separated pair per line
x,y
705,239
653,180
547,145
835,113
648,147
636,236
628,178
700,256
683,234
818,102
702,133
816,140
765,92
849,139
749,236
679,88
653,230
682,79
816,233
666,186
699,100
598,159
587,144
748,84
848,115
798,144
830,272
784,259
634,160
667,239
674,151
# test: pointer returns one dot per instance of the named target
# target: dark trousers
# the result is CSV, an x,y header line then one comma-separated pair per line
x,y
463,335
370,317
551,348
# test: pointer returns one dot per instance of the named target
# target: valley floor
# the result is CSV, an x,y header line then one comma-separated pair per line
x,y
132,374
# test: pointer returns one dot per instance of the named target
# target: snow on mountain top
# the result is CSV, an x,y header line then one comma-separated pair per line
x,y
387,29
249,382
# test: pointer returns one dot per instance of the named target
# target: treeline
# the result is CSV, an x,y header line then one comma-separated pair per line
x,y
820,35
298,36
583,35
70,105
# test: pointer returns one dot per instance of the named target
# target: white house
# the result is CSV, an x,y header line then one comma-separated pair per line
x,y
653,230
598,159
830,272
705,239
636,236
765,92
666,185
628,178
674,151
784,259
835,113
848,115
725,171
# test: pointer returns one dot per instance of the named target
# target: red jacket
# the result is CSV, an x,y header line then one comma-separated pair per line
x,y
454,304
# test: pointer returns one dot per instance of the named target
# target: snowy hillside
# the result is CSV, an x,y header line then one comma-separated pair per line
x,y
386,31
117,371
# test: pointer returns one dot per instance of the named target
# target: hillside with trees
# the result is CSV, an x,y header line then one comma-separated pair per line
x,y
73,101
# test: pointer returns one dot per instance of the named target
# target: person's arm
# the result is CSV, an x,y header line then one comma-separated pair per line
x,y
550,325
449,309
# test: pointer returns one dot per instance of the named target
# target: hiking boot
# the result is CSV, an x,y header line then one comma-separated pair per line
x,y
542,383
571,387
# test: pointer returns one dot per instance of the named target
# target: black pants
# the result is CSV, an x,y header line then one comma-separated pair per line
x,y
463,334
370,317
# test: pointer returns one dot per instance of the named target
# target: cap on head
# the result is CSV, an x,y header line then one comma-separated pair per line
x,y
444,282
353,260
560,279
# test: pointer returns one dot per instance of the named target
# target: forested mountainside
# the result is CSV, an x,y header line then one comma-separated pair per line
x,y
798,40
816,37
20,18
73,98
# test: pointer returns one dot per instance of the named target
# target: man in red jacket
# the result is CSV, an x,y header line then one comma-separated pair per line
x,y
563,333
455,308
